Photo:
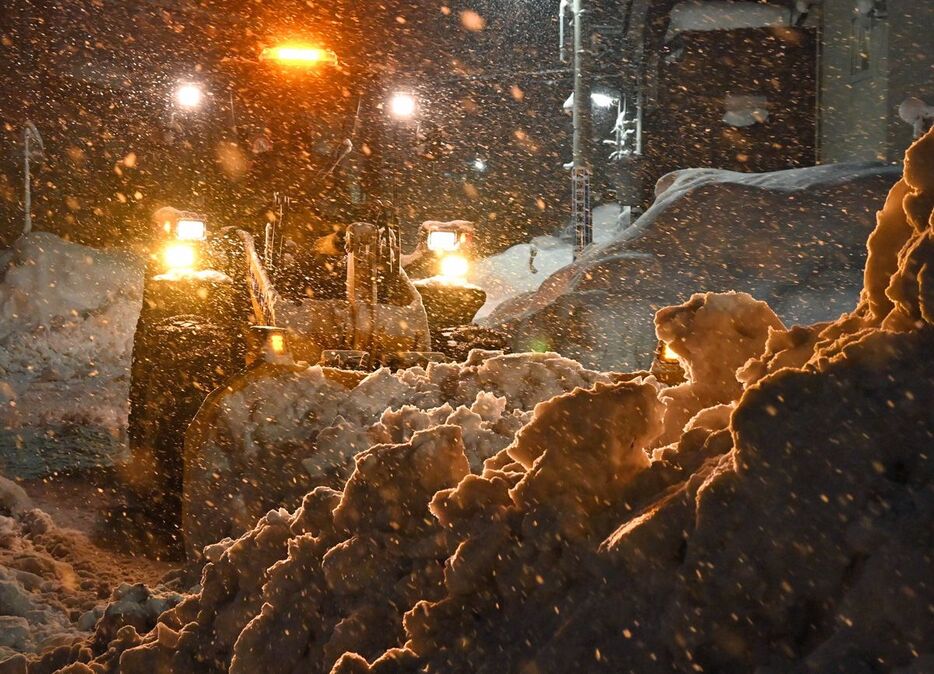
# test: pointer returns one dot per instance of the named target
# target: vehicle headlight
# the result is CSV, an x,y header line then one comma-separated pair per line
x,y
190,230
442,240
668,354
454,266
179,256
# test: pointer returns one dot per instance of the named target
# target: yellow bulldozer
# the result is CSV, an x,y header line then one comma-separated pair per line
x,y
215,303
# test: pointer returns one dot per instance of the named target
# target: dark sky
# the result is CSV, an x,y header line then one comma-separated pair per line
x,y
90,73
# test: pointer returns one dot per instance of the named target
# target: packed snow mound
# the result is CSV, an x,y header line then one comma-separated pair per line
x,y
713,336
67,317
54,589
795,239
789,528
524,267
274,433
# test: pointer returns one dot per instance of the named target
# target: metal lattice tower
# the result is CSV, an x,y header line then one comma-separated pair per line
x,y
581,210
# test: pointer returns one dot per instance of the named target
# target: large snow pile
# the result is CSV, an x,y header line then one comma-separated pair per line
x,y
67,316
524,267
54,585
275,433
795,239
788,528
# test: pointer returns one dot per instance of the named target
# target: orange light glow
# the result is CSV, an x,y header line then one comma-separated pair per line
x,y
277,342
668,354
301,55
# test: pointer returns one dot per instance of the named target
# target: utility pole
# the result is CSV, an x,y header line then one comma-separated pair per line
x,y
581,172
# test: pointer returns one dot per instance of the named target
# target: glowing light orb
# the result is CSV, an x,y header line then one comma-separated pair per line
x,y
454,266
402,106
189,96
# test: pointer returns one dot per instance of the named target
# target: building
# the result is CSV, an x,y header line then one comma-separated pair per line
x,y
764,86
873,56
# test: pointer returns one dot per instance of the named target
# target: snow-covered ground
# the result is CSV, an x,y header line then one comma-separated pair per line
x,y
67,316
795,239
707,15
55,584
515,270
773,513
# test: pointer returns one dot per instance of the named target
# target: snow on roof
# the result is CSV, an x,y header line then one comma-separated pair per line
x,y
700,15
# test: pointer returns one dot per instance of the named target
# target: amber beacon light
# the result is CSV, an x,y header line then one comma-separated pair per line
x,y
300,55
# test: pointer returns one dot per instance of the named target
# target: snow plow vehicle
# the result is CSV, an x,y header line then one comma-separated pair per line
x,y
212,306
440,264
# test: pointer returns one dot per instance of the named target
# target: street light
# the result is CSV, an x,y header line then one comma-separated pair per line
x,y
402,105
189,96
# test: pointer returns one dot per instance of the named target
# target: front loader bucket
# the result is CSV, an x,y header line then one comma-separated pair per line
x,y
449,304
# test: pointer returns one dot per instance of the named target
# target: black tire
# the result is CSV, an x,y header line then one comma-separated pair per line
x,y
177,362
189,340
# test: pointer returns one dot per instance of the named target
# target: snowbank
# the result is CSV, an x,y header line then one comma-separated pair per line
x,y
67,316
275,433
788,528
510,273
796,239
54,586
793,534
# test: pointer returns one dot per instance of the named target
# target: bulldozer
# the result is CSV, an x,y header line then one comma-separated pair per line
x,y
440,264
215,303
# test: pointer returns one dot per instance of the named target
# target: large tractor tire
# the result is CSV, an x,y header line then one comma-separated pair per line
x,y
178,361
189,341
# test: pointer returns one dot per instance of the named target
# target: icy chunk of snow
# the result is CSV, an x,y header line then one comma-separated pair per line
x,y
67,318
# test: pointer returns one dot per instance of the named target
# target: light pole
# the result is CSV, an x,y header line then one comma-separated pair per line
x,y
581,171
30,136
403,108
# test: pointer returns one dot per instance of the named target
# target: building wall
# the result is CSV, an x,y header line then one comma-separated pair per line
x,y
860,89
911,66
684,122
